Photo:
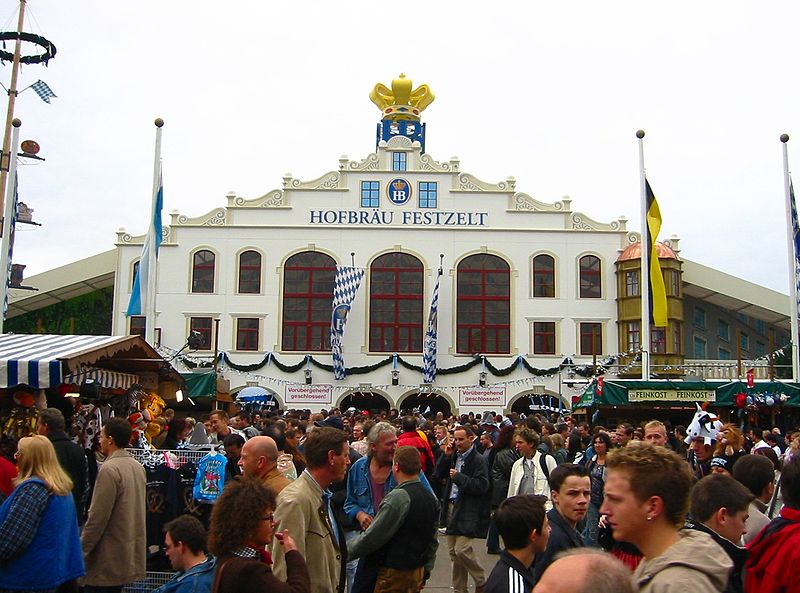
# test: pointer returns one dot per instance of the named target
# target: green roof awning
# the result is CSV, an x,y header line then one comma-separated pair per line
x,y
621,392
202,384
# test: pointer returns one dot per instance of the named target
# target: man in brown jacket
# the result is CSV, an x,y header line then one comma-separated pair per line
x,y
113,537
259,459
304,509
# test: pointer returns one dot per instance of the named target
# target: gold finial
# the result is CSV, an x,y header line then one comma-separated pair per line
x,y
400,102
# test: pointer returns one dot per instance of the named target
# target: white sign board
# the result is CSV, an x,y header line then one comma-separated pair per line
x,y
482,397
308,394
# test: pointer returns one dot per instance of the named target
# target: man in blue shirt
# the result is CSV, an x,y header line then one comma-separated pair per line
x,y
185,542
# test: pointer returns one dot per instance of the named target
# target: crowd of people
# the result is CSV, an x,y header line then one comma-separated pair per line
x,y
340,502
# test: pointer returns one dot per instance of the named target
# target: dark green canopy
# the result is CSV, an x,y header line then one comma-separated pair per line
x,y
203,384
623,392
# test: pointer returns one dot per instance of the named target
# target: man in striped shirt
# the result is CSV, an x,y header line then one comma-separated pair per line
x,y
522,523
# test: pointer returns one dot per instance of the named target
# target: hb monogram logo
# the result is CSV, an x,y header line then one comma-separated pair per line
x,y
398,191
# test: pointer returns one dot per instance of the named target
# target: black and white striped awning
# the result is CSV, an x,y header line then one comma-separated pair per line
x,y
106,378
41,360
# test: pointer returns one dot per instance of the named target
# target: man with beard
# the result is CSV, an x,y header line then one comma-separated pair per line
x,y
570,491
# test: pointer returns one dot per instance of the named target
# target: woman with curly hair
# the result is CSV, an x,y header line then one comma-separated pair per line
x,y
40,547
730,442
242,524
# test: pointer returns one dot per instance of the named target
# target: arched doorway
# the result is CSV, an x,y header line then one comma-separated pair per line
x,y
428,404
256,398
365,401
544,403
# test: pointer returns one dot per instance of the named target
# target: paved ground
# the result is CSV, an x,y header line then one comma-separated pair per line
x,y
441,580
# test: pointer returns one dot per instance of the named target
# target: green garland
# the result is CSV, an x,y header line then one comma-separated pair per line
x,y
477,359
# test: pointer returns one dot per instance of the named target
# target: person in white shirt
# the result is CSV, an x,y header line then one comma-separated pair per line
x,y
531,472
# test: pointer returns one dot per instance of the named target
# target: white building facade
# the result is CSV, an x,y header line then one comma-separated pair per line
x,y
524,286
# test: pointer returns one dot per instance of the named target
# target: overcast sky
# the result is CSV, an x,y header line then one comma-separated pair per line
x,y
551,93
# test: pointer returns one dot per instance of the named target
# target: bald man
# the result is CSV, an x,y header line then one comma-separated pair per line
x,y
585,569
259,459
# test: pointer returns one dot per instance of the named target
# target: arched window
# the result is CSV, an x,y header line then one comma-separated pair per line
x,y
544,276
250,272
590,284
135,271
483,308
395,303
203,271
307,297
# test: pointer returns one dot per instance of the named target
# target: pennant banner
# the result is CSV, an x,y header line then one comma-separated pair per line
x,y
44,91
431,336
344,291
658,293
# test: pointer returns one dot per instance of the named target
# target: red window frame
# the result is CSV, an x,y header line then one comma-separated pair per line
x,y
203,263
395,303
247,333
309,304
544,276
137,325
590,281
483,305
205,327
544,337
249,272
658,340
591,347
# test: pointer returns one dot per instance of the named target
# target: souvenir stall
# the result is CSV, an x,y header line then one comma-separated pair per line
x,y
87,377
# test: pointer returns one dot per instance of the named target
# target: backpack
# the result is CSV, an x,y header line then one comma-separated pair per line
x,y
543,464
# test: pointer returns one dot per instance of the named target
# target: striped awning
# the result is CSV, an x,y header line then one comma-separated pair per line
x,y
41,360
106,378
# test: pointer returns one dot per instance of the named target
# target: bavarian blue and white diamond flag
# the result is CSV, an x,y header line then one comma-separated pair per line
x,y
344,291
795,244
431,336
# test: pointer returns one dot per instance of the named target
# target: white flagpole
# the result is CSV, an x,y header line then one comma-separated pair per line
x,y
8,219
793,268
152,260
644,274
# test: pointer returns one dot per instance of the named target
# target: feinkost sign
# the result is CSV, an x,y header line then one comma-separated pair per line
x,y
671,395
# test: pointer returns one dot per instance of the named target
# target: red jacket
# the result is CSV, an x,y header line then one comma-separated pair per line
x,y
8,471
412,439
772,566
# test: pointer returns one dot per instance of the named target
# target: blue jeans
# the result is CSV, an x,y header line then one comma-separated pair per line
x,y
590,531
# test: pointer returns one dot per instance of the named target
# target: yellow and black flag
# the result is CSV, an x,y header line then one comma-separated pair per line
x,y
658,293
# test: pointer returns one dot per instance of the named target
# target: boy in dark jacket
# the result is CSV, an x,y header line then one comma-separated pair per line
x,y
522,523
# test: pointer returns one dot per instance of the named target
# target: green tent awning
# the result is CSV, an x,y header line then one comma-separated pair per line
x,y
202,384
621,392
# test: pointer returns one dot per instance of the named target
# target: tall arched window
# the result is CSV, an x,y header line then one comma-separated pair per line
x,y
590,281
307,297
544,276
250,272
135,271
483,308
395,303
203,271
